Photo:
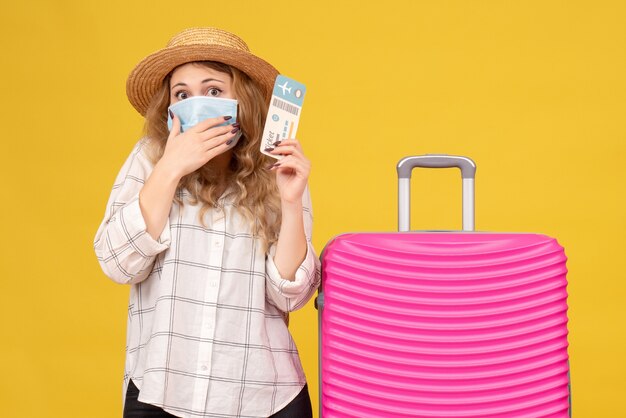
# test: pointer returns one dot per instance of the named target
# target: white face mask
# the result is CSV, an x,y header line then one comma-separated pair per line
x,y
195,109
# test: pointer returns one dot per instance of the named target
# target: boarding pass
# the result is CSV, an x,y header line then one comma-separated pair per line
x,y
283,114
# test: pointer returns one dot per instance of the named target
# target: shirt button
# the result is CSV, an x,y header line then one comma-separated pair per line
x,y
204,368
217,244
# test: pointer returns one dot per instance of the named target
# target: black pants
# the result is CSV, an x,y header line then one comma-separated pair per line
x,y
300,407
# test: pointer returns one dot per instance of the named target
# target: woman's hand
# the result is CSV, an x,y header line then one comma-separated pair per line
x,y
187,151
292,174
292,171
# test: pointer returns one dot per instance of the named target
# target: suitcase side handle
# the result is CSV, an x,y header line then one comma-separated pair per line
x,y
405,168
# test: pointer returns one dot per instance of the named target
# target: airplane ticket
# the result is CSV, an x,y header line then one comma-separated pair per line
x,y
283,114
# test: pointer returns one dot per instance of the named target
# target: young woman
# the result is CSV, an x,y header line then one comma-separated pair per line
x,y
213,237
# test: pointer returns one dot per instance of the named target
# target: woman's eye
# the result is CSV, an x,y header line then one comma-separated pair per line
x,y
214,91
181,95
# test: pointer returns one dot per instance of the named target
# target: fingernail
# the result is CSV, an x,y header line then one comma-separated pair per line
x,y
171,114
234,130
235,125
227,117
230,141
268,149
277,143
272,166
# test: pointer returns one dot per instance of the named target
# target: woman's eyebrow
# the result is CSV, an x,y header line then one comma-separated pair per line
x,y
211,79
178,84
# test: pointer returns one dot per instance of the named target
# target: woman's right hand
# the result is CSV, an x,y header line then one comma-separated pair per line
x,y
187,151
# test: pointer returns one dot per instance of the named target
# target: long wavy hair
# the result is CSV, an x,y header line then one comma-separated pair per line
x,y
252,187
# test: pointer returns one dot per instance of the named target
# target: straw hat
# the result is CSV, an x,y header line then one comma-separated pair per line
x,y
196,44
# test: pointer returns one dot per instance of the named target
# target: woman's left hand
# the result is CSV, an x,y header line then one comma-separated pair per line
x,y
292,171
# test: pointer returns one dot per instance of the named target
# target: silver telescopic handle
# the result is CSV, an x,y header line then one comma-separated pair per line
x,y
406,166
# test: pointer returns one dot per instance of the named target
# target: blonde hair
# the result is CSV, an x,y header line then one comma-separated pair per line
x,y
253,188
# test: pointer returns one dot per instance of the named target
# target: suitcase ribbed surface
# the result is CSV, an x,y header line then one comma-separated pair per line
x,y
444,325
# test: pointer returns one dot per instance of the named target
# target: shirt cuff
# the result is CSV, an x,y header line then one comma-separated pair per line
x,y
304,278
133,226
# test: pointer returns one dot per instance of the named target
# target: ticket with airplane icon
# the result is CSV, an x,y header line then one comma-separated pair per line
x,y
283,114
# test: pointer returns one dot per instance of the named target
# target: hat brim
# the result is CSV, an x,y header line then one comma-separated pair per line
x,y
146,78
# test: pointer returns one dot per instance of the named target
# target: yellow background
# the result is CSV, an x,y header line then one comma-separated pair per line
x,y
533,91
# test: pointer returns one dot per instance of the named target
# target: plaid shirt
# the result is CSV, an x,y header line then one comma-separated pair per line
x,y
206,333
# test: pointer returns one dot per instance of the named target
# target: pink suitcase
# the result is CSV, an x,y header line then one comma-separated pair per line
x,y
443,324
